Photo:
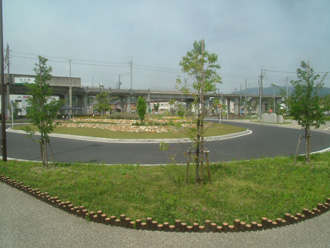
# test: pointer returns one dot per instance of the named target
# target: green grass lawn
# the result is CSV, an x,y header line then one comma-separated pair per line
x,y
214,130
245,190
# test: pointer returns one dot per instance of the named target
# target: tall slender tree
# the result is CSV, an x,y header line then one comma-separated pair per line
x,y
305,103
141,108
42,110
202,68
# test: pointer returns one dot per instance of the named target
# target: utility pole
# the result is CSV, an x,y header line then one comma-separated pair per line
x,y
131,65
3,100
7,81
7,62
131,89
70,66
119,83
70,92
245,97
260,93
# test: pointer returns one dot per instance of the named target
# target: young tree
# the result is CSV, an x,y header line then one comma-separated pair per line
x,y
172,102
102,103
201,66
156,106
141,108
42,109
306,103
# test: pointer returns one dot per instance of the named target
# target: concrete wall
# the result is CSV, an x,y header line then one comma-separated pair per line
x,y
272,118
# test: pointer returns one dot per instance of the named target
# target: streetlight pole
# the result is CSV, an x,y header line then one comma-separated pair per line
x,y
3,100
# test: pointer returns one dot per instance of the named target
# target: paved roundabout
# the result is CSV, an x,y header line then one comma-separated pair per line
x,y
26,222
259,141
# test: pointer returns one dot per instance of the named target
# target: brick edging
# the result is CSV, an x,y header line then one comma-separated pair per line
x,y
150,224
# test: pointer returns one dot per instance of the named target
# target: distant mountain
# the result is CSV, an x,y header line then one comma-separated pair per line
x,y
269,91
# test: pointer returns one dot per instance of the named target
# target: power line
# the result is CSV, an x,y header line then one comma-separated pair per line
x,y
65,60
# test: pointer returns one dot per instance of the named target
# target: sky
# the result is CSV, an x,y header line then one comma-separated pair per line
x,y
101,37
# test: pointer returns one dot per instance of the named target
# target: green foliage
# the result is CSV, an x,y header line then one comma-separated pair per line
x,y
202,67
181,111
102,103
306,103
192,65
42,109
156,106
141,108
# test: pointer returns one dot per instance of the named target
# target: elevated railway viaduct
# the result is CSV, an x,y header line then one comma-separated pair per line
x,y
77,97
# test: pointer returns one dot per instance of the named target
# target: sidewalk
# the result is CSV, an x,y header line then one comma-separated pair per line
x,y
26,222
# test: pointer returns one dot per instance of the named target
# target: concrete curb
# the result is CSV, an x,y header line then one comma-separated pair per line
x,y
131,141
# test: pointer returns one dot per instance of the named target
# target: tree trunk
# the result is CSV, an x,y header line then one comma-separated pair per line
x,y
45,152
308,144
42,152
51,153
197,149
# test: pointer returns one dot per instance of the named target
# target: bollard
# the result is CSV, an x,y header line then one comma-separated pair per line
x,y
269,224
154,225
183,227
207,225
320,207
132,224
287,217
254,226
138,224
99,216
103,217
225,227
231,228
213,227
259,227
243,226
160,227
143,226
298,216
113,220
166,226
306,213
264,222
127,222
237,224
177,225
149,223
195,227
117,222
91,214
107,221
122,220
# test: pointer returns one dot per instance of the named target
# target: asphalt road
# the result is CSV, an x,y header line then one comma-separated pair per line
x,y
264,141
